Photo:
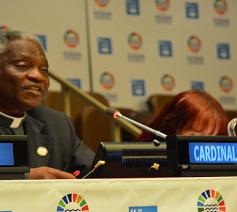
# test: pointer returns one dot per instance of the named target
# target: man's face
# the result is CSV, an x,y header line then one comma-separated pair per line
x,y
23,77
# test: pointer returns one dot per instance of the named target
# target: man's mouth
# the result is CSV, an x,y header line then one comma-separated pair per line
x,y
36,90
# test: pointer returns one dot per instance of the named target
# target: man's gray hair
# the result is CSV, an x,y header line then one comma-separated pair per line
x,y
8,36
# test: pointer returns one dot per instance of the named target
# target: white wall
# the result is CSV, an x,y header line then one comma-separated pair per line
x,y
136,47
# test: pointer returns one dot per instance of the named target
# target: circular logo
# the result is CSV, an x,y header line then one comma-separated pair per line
x,y
162,5
107,80
220,6
168,82
71,38
211,200
135,40
194,44
102,3
226,84
4,28
72,202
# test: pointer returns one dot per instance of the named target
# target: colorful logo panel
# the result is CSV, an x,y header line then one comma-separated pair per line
x,y
104,45
168,82
107,80
71,38
194,44
162,5
226,84
135,40
133,7
192,10
211,200
101,3
72,202
220,7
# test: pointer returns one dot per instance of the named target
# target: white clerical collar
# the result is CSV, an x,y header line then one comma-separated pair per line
x,y
10,121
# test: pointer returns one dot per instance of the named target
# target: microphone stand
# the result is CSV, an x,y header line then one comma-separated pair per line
x,y
118,115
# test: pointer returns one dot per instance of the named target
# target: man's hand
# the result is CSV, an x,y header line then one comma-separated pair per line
x,y
48,173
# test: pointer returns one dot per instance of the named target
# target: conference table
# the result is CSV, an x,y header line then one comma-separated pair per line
x,y
116,195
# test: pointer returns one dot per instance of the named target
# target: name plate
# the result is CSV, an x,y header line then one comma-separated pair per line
x,y
213,153
202,155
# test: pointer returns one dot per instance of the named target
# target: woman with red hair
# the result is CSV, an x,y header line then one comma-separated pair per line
x,y
189,113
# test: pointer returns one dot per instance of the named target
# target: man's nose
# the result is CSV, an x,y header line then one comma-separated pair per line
x,y
37,74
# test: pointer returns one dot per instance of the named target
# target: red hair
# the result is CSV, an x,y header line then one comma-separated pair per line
x,y
189,110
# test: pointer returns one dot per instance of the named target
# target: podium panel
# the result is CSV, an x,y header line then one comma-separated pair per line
x,y
132,195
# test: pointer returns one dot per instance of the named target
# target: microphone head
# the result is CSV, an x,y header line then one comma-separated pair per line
x,y
99,163
117,115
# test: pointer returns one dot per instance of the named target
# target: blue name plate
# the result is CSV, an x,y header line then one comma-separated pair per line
x,y
6,154
143,209
223,153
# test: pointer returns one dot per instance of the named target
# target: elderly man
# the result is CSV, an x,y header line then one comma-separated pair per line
x,y
52,144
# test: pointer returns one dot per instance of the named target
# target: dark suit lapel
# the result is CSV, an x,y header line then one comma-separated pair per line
x,y
37,139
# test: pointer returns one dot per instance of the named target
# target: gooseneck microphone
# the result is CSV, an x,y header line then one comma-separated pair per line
x,y
97,165
231,127
118,115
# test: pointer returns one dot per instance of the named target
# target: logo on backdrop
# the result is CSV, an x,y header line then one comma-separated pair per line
x,y
223,51
143,209
226,84
194,43
75,81
4,28
211,200
168,82
165,48
107,80
197,85
101,3
43,41
132,7
135,40
71,38
220,7
101,13
72,202
162,5
104,45
138,88
192,10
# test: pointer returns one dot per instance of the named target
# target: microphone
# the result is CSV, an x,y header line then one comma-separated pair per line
x,y
97,165
118,115
231,127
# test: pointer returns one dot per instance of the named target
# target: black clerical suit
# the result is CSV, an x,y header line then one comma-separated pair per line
x,y
53,130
